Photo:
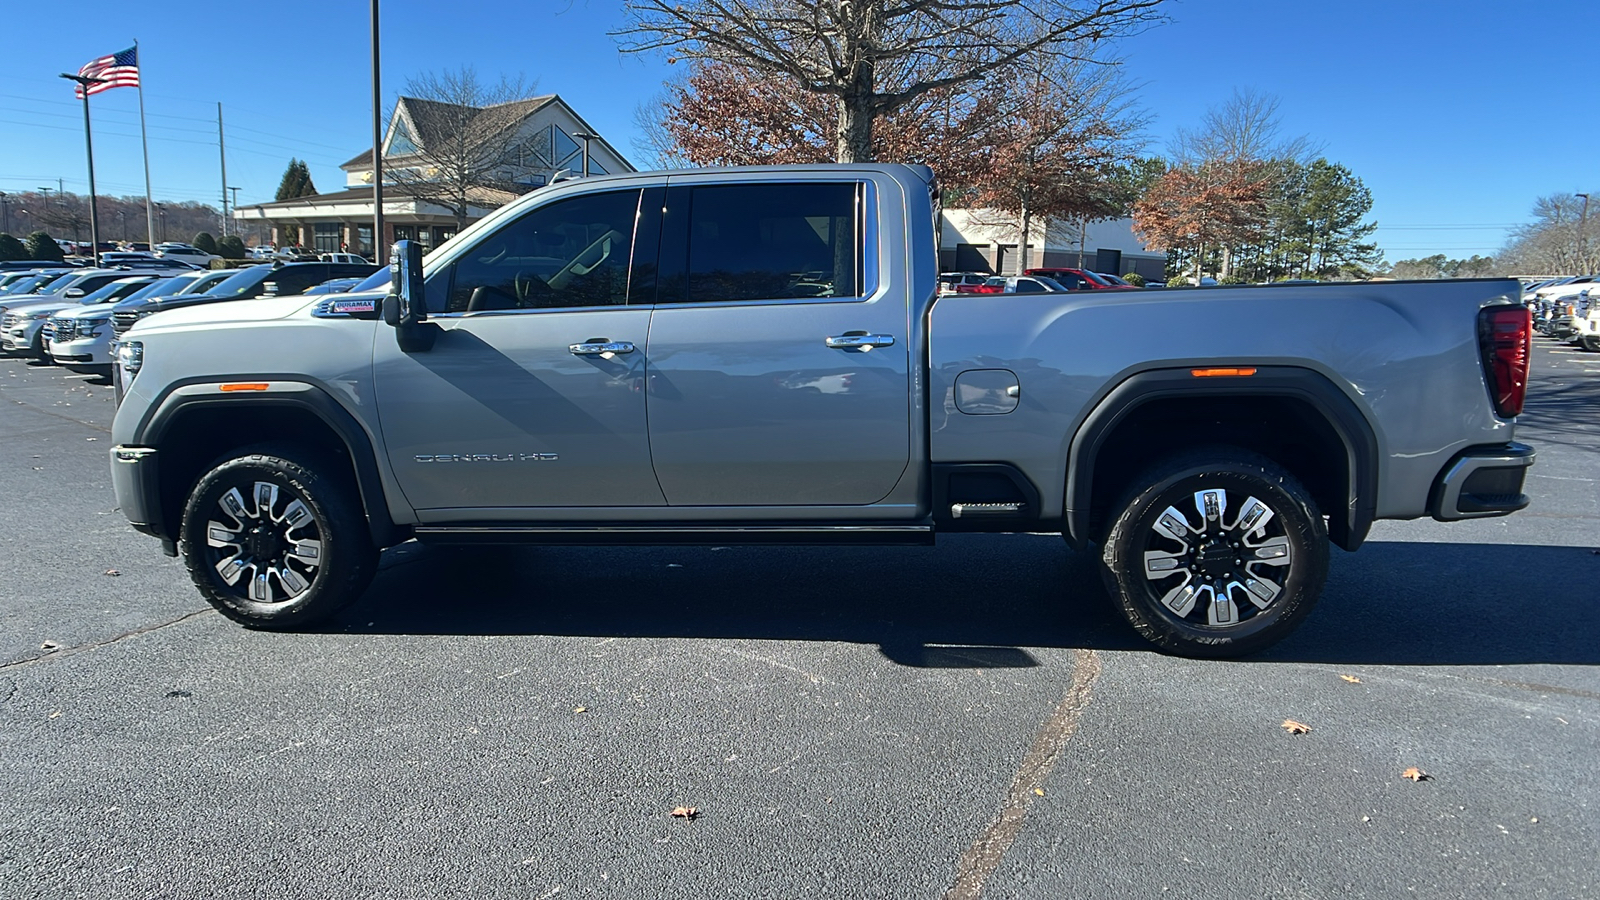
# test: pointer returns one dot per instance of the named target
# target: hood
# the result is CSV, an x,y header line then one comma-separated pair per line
x,y
91,311
214,311
48,304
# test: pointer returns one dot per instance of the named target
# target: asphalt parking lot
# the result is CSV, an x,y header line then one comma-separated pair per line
x,y
963,720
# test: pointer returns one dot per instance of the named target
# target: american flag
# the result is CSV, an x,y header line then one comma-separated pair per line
x,y
118,70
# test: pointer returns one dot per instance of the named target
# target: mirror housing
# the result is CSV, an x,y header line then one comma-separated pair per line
x,y
73,293
406,306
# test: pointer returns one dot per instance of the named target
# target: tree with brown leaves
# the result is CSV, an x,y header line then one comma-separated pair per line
x,y
873,58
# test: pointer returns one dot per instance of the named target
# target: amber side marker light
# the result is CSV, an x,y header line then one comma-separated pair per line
x,y
1221,373
248,386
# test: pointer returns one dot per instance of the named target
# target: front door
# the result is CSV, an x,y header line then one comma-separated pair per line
x,y
779,374
533,392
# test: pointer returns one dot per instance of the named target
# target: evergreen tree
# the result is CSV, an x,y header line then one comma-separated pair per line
x,y
296,181
231,247
44,248
11,248
204,241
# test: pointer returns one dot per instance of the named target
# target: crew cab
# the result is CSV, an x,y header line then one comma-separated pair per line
x,y
763,355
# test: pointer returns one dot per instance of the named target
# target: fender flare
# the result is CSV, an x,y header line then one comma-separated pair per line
x,y
296,393
1313,388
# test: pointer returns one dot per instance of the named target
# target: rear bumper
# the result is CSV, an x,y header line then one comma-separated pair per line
x,y
1481,482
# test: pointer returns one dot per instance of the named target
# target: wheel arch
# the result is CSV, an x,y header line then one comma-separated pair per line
x,y
1293,415
192,429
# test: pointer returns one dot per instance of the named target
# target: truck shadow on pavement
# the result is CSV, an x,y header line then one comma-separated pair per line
x,y
976,601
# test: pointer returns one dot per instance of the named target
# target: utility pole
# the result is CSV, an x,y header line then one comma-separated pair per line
x,y
5,214
85,82
222,153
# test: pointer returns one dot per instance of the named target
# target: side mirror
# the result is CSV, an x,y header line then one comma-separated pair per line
x,y
407,303
73,293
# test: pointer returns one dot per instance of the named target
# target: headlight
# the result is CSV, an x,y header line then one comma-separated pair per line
x,y
90,327
130,356
43,315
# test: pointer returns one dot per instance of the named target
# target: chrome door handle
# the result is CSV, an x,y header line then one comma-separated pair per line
x,y
600,348
860,340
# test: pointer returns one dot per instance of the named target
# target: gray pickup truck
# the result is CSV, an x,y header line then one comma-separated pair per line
x,y
762,355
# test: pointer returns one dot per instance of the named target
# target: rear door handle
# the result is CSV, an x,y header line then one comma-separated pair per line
x,y
860,340
600,347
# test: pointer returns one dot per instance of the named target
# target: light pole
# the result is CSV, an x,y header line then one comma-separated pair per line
x,y
1583,244
5,214
378,248
162,212
586,137
84,82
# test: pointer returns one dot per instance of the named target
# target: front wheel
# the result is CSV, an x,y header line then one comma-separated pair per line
x,y
275,543
1221,554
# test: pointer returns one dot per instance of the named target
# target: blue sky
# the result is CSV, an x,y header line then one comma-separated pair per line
x,y
1456,114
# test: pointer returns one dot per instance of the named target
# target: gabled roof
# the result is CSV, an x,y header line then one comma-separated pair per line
x,y
430,121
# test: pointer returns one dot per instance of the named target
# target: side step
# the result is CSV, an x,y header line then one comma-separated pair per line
x,y
985,509
617,535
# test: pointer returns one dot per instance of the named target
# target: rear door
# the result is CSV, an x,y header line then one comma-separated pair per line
x,y
779,352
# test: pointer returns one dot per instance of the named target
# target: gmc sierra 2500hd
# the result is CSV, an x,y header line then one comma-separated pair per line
x,y
762,355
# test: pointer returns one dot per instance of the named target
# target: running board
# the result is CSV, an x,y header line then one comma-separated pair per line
x,y
613,535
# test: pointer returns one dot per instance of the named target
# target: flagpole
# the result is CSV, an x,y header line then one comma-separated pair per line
x,y
144,138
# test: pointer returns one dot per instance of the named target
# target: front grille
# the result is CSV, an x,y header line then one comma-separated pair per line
x,y
124,320
10,320
60,330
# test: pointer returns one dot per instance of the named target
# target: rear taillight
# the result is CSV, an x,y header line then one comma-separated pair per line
x,y
1505,335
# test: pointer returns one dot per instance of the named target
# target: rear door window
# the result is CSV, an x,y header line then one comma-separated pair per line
x,y
770,242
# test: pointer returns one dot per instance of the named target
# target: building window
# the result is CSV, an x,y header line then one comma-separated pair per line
x,y
325,237
364,241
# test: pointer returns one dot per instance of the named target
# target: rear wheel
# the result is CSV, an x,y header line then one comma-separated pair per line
x,y
1221,554
272,542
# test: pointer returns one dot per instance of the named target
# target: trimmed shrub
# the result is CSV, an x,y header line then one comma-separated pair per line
x,y
1134,278
231,247
43,247
11,248
204,241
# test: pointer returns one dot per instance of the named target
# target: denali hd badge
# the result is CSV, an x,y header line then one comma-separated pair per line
x,y
484,457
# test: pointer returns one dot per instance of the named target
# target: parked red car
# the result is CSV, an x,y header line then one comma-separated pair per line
x,y
1080,280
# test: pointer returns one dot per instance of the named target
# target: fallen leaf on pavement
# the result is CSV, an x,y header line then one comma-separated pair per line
x,y
1294,727
580,709
686,812
1039,791
1351,678
1415,774
113,572
49,645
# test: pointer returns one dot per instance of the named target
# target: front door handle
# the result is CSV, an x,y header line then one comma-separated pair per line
x,y
860,340
600,347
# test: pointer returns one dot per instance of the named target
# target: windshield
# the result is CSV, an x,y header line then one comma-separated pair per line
x,y
1050,283
374,281
159,288
22,285
240,282
203,281
113,291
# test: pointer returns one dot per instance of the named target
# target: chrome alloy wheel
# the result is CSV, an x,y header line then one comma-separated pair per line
x,y
1224,571
268,547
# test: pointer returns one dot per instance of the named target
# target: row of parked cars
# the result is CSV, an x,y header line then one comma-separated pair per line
x,y
73,316
1567,309
1032,281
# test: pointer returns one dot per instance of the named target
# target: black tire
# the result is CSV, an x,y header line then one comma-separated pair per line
x,y
294,561
1235,552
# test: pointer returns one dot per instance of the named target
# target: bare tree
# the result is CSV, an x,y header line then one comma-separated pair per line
x,y
1560,241
456,138
1061,125
874,57
1219,190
